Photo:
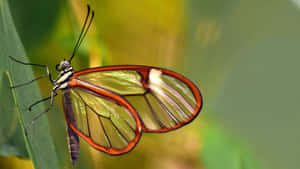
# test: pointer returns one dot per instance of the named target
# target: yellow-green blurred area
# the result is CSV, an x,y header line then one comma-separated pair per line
x,y
242,54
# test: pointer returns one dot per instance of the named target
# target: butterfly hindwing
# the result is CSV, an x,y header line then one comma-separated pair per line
x,y
102,122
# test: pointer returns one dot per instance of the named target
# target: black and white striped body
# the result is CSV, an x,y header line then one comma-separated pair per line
x,y
62,83
63,79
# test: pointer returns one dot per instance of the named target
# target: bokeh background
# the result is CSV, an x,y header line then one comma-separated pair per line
x,y
242,54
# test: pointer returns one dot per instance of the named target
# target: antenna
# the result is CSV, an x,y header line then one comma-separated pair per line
x,y
83,32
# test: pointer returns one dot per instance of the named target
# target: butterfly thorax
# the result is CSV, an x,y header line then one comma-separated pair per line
x,y
65,75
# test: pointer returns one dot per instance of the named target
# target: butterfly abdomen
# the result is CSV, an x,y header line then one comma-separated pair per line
x,y
72,136
73,144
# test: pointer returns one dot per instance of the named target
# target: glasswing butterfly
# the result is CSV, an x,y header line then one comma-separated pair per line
x,y
110,107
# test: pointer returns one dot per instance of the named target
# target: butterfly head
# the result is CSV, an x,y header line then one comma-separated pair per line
x,y
63,66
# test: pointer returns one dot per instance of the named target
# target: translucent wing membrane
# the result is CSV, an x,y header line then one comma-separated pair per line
x,y
163,99
121,82
106,125
168,104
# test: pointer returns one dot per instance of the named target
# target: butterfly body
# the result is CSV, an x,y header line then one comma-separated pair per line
x,y
66,72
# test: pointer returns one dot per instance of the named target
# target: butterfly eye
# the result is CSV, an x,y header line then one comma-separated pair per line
x,y
64,65
57,67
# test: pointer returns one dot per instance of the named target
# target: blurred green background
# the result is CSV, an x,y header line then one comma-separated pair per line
x,y
242,54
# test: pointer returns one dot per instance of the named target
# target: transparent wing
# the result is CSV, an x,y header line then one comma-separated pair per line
x,y
101,122
163,99
123,82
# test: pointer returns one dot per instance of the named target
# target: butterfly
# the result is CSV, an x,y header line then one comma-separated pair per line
x,y
110,107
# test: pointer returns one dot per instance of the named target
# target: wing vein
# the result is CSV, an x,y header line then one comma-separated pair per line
x,y
142,94
98,115
179,95
87,119
153,113
90,106
85,105
106,136
123,137
165,108
99,87
129,125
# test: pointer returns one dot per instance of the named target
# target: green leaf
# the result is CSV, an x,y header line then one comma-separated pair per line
x,y
8,115
38,142
12,141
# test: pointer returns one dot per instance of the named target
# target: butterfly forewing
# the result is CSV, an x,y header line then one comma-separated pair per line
x,y
163,99
123,82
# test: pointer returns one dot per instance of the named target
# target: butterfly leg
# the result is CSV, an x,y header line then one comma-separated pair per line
x,y
53,94
26,83
33,64
37,102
